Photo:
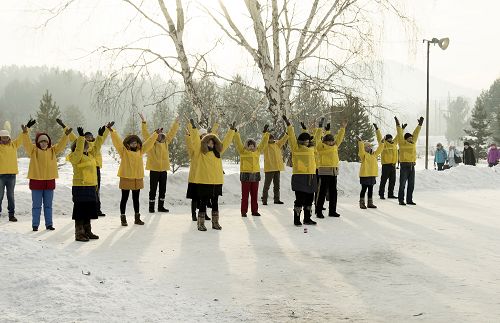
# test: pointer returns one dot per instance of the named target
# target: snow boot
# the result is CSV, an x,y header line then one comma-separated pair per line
x,y
80,232
50,227
362,204
35,228
279,202
333,214
193,216
161,208
138,219
382,197
87,227
255,214
201,221
152,206
402,202
319,214
243,215
370,204
296,216
307,216
12,218
264,201
123,218
215,220
411,203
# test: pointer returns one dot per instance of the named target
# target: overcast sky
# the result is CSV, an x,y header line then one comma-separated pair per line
x,y
472,59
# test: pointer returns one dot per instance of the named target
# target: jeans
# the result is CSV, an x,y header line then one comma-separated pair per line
x,y
406,174
8,181
327,184
98,189
157,179
251,188
388,173
275,178
38,198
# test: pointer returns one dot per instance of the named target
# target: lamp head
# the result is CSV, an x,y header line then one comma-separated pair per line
x,y
443,43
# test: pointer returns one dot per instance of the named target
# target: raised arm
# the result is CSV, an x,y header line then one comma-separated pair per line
x,y
339,138
117,141
173,131
263,143
282,141
215,128
18,141
379,150
237,143
228,139
361,149
144,129
150,142
61,145
29,147
378,134
77,155
99,141
194,134
292,140
72,136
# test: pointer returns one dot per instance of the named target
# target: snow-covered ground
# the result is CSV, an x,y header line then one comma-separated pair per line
x,y
435,262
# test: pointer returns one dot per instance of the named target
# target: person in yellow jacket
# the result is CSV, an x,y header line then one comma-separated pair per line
x,y
407,159
304,182
42,173
389,159
84,190
95,145
158,163
250,170
208,175
328,168
273,166
8,170
368,171
131,171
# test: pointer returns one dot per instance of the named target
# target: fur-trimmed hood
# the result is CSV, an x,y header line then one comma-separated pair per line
x,y
42,135
249,142
204,143
131,138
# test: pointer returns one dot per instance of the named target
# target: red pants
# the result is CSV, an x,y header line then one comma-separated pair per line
x,y
253,189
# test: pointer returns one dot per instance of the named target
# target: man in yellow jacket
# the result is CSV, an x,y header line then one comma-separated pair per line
x,y
158,163
273,166
8,170
368,171
407,159
389,158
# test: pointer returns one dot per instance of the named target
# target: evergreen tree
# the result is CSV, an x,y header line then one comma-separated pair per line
x,y
358,124
479,132
309,105
46,117
456,120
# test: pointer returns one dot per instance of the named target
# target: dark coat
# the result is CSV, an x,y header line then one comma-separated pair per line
x,y
306,183
469,157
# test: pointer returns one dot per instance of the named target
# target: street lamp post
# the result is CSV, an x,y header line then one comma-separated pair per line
x,y
443,44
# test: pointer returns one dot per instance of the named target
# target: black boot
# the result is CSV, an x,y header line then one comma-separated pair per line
x,y
307,216
123,218
151,206
80,232
138,219
161,207
207,217
296,216
88,231
12,218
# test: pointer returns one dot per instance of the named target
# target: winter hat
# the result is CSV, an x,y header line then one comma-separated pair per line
x,y
42,138
304,137
328,137
4,133
88,133
466,143
408,135
249,142
202,131
388,137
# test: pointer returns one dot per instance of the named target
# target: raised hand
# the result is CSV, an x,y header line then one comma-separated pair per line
x,y
25,129
101,130
232,126
142,117
287,122
404,125
321,122
420,121
266,128
375,126
327,128
397,121
59,122
110,125
80,131
191,121
303,125
68,131
30,123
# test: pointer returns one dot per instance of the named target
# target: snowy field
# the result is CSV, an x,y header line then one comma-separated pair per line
x,y
435,262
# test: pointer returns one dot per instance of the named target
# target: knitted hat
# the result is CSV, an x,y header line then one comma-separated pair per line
x,y
42,138
408,135
4,133
304,136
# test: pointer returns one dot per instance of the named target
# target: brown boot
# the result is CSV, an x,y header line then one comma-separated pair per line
x,y
138,219
215,221
201,221
80,232
88,231
370,204
362,204
124,220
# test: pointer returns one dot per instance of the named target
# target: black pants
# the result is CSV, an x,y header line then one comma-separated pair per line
x,y
157,179
327,184
440,166
135,200
98,169
214,201
406,174
275,178
388,173
365,188
303,199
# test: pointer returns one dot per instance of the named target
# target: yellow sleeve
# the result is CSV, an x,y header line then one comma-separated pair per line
x,y
61,145
29,147
117,142
379,136
18,141
215,128
195,139
291,137
98,143
76,156
416,132
149,143
282,140
339,138
172,132
145,131
72,136
237,143
379,150
317,137
189,145
400,134
263,143
227,140
361,149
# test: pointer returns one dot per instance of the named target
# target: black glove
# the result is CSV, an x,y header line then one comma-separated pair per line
x,y
397,120
80,131
192,123
321,122
287,122
232,126
303,125
327,128
404,125
420,121
266,128
375,126
101,130
59,121
30,123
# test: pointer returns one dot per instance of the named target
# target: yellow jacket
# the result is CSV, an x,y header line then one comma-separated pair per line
x,y
369,163
207,167
408,150
390,152
8,156
94,147
131,165
328,156
43,163
303,159
84,166
189,146
273,155
250,160
158,156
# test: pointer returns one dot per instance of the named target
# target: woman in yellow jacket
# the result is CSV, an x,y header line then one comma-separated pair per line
x,y
8,169
328,168
131,171
389,159
84,190
42,173
208,175
273,166
250,170
158,163
304,182
368,171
